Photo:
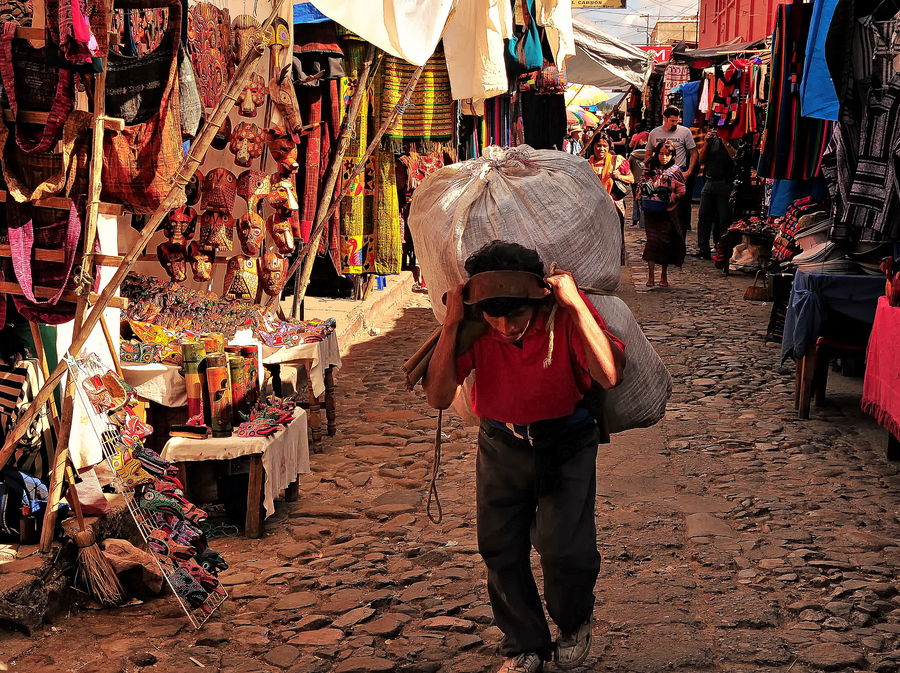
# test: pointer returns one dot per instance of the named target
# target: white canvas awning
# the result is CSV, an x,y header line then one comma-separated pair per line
x,y
603,60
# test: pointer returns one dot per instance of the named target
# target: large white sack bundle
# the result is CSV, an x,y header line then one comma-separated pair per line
x,y
640,400
546,200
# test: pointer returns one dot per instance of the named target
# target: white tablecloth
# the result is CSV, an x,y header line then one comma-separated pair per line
x,y
157,382
284,455
324,354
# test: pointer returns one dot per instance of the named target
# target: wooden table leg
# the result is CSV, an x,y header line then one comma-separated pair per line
x,y
809,367
315,407
893,447
330,413
292,492
255,514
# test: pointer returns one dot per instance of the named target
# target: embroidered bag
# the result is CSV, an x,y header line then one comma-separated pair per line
x,y
50,229
140,162
36,81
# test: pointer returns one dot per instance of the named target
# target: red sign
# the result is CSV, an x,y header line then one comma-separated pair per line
x,y
660,54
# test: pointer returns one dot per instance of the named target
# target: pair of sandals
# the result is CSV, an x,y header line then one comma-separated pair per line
x,y
662,283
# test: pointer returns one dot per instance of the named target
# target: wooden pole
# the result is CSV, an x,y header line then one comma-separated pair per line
x,y
309,253
188,166
83,287
335,168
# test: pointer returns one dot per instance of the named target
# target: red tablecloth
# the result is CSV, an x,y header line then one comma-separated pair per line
x,y
881,387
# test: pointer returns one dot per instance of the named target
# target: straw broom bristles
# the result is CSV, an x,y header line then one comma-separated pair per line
x,y
99,576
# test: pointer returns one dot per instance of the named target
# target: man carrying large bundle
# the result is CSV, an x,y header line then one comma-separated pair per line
x,y
544,351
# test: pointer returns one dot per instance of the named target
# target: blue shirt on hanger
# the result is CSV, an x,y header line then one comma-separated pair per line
x,y
818,98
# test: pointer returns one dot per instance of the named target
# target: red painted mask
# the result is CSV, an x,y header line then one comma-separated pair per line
x,y
274,270
253,95
251,229
246,143
219,190
201,261
172,258
216,230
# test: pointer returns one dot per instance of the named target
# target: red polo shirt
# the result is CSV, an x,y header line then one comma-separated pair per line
x,y
511,383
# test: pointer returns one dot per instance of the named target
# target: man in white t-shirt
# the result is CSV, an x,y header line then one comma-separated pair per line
x,y
687,156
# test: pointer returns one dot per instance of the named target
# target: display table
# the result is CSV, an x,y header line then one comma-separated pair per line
x,y
816,296
318,360
827,312
881,386
164,384
275,463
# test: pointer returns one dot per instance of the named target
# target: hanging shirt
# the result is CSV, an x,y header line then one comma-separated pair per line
x,y
690,94
818,97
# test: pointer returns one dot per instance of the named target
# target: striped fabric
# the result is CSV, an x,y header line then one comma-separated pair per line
x,y
792,145
430,114
12,380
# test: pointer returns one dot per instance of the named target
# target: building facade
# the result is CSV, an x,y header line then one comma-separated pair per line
x,y
724,21
679,30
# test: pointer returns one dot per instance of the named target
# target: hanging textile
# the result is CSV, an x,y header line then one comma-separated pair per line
x,y
674,76
140,161
792,145
873,204
544,120
310,100
386,215
818,97
209,45
429,116
357,252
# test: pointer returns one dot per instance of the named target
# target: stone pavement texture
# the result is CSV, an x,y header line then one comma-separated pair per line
x,y
735,538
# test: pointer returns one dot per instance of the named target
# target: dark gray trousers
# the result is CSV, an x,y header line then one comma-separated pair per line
x,y
541,495
715,212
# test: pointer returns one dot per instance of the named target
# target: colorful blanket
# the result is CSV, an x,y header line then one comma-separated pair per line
x,y
881,387
429,115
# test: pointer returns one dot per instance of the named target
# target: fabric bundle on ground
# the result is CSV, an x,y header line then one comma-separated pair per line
x,y
548,201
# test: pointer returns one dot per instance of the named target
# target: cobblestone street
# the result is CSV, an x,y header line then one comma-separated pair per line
x,y
735,538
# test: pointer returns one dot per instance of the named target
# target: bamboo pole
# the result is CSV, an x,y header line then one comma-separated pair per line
x,y
345,136
309,253
188,166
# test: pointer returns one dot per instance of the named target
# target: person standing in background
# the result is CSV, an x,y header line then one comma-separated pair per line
x,y
717,159
572,142
686,157
661,189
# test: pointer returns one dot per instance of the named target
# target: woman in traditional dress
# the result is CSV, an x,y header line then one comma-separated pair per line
x,y
661,188
615,175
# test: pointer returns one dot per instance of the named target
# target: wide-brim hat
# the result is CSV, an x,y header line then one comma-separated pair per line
x,y
504,285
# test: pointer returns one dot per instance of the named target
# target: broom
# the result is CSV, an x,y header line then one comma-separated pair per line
x,y
99,577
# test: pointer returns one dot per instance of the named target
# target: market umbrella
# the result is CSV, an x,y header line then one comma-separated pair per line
x,y
584,94
587,118
572,119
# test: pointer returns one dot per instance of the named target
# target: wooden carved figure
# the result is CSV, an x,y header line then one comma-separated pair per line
x,y
283,149
253,186
172,257
180,224
247,142
251,230
281,89
241,278
201,260
280,226
219,191
274,269
216,230
253,95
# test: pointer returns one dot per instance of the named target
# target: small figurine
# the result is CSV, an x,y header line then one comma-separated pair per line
x,y
274,269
